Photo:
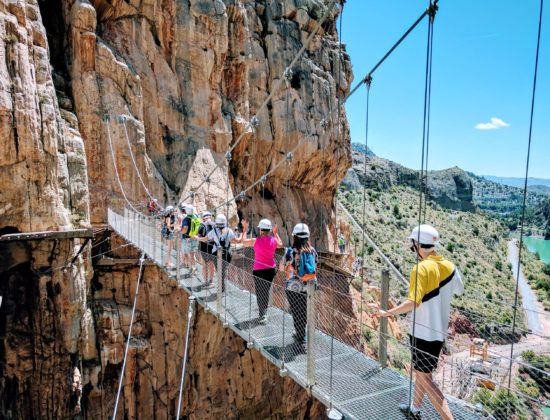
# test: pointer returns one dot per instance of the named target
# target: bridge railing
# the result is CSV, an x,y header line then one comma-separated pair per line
x,y
327,340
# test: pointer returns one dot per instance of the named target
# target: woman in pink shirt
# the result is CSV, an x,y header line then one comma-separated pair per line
x,y
264,263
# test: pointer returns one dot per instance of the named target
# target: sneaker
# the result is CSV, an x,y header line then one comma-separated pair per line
x,y
414,412
263,320
193,270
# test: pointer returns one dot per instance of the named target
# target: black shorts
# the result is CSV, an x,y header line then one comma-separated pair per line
x,y
425,354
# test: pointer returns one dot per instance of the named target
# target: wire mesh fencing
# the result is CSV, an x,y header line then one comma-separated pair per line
x,y
326,338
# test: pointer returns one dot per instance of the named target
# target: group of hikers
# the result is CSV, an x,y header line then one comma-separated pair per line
x,y
208,236
433,282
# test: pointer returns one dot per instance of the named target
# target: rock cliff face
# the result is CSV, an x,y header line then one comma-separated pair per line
x,y
450,188
188,75
185,76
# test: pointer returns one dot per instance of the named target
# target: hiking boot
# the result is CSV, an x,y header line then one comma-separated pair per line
x,y
263,320
414,412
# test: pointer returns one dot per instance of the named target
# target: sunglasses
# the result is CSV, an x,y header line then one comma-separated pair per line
x,y
265,230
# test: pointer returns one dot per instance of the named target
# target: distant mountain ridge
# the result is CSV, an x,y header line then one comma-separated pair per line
x,y
517,182
359,147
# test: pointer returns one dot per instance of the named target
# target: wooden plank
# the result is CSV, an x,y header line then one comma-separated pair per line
x,y
48,235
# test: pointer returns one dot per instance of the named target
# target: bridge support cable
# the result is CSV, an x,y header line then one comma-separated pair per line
x,y
332,413
277,83
523,208
184,360
122,119
368,76
142,259
117,175
431,11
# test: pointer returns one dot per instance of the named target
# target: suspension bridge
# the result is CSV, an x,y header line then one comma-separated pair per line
x,y
338,374
335,368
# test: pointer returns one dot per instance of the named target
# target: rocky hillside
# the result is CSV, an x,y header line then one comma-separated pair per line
x,y
451,188
185,76
475,241
503,199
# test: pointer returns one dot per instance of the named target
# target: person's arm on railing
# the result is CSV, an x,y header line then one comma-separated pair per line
x,y
404,308
277,238
247,241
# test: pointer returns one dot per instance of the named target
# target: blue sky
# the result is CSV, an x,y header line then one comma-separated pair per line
x,y
483,65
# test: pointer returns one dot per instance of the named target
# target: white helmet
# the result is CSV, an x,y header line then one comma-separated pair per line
x,y
182,206
221,221
206,214
189,209
265,224
301,230
168,210
425,235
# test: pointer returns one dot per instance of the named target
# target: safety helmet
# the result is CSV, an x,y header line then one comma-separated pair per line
x,y
425,235
265,224
182,206
168,210
301,231
189,209
206,214
221,221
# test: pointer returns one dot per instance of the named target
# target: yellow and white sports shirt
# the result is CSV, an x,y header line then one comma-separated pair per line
x,y
438,281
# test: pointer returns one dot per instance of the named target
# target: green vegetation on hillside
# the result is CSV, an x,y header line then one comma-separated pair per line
x,y
476,242
538,276
502,199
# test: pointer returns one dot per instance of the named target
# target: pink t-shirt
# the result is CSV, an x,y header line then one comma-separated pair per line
x,y
264,248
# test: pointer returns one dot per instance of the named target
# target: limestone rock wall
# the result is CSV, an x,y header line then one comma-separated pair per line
x,y
223,378
42,157
188,75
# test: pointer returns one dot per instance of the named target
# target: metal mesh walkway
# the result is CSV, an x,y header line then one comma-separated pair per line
x,y
355,384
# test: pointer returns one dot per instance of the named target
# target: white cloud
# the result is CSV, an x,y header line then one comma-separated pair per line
x,y
495,124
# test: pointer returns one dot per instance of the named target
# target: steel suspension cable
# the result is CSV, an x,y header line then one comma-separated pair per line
x,y
431,10
427,121
336,239
391,50
141,260
524,197
107,120
123,119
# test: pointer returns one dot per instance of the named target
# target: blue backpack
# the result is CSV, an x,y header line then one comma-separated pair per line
x,y
308,266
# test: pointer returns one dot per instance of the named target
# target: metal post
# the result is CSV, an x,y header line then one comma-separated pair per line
x,y
154,238
219,304
310,333
178,246
139,239
189,316
384,297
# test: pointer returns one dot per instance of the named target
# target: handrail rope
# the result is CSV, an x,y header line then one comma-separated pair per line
x,y
123,119
368,76
432,10
142,259
368,82
184,360
525,191
276,86
397,273
107,120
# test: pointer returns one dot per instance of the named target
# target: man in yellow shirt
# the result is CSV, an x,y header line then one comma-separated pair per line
x,y
433,282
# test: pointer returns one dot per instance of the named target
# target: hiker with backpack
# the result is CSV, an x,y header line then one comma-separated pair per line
x,y
167,232
189,228
209,260
222,237
301,265
264,263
